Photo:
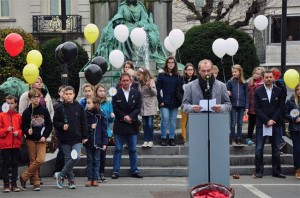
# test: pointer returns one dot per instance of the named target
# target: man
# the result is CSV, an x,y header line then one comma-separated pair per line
x,y
268,106
126,105
197,90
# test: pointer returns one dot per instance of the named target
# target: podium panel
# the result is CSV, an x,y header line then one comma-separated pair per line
x,y
198,167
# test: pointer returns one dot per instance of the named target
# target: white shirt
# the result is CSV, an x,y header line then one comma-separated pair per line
x,y
126,93
269,92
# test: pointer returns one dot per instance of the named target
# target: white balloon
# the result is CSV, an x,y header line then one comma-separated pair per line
x,y
168,45
232,46
176,38
219,47
121,33
261,22
116,58
138,36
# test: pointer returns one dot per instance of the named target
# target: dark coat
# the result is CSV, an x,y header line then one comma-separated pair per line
x,y
179,89
239,93
289,106
266,110
122,108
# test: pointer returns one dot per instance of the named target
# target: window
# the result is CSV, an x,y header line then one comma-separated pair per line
x,y
55,7
293,28
4,9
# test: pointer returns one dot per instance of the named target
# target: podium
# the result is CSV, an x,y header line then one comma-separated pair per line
x,y
199,153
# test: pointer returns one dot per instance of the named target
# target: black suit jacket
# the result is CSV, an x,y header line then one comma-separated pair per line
x,y
266,110
122,108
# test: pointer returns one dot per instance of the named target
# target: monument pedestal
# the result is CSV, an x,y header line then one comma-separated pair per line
x,y
199,151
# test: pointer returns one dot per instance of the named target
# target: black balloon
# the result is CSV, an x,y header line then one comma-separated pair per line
x,y
101,62
59,56
66,53
93,74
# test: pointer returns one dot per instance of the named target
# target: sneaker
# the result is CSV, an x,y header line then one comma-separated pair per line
x,y
36,187
23,184
145,145
172,142
59,180
6,188
14,187
95,183
102,178
164,142
71,185
297,175
88,184
249,141
233,143
150,144
239,141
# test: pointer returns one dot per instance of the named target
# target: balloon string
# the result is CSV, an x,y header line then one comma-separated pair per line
x,y
232,60
264,46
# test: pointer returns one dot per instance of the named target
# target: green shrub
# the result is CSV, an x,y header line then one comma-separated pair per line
x,y
198,46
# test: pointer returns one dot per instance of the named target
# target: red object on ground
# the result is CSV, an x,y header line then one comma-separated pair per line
x,y
211,190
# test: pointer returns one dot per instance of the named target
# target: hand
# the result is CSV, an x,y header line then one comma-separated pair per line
x,y
297,120
162,104
15,133
229,93
127,119
196,108
112,115
148,84
84,141
93,126
43,139
30,131
217,108
271,123
10,128
66,127
103,147
246,111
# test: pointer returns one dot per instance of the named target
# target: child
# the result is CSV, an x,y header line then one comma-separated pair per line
x,y
97,140
10,143
37,126
106,108
255,82
88,91
215,71
238,93
71,124
148,92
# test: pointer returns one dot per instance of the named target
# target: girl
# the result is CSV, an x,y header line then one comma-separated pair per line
x,y
238,93
148,91
255,81
166,88
291,113
106,108
97,140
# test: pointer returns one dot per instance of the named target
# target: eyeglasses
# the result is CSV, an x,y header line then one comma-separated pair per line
x,y
36,97
190,70
171,62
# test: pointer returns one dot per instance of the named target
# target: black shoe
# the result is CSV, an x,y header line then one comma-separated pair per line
x,y
238,141
164,142
137,175
279,176
282,145
172,142
115,176
259,175
23,184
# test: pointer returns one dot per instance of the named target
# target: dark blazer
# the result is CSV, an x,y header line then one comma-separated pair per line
x,y
266,110
122,108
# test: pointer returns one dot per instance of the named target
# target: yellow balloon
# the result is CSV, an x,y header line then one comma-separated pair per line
x,y
291,78
30,73
91,33
34,57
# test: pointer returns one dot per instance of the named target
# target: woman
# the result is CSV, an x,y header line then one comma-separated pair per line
x,y
166,88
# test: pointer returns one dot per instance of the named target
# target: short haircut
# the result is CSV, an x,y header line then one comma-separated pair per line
x,y
88,85
11,97
205,61
70,88
215,68
33,92
61,87
124,74
266,72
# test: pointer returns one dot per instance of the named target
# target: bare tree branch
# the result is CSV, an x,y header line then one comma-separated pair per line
x,y
191,6
233,3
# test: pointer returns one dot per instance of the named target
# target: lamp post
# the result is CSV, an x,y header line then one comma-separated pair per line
x,y
283,36
64,76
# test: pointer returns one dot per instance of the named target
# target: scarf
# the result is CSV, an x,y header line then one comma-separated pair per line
x,y
203,86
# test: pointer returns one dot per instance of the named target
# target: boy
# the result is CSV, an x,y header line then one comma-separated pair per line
x,y
10,143
71,124
88,91
37,126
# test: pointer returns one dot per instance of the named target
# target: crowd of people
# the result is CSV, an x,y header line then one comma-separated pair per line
x,y
87,122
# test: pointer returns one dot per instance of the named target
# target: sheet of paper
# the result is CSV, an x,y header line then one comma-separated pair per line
x,y
204,104
267,131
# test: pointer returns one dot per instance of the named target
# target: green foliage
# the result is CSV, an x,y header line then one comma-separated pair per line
x,y
198,46
51,70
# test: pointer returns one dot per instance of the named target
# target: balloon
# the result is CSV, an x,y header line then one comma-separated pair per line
x,y
101,62
291,78
138,36
176,38
30,73
168,45
93,74
116,58
121,33
219,47
34,57
13,44
261,22
58,55
232,46
91,33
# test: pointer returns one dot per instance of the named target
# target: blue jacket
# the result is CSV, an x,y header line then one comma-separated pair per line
x,y
289,106
98,136
82,102
107,109
239,93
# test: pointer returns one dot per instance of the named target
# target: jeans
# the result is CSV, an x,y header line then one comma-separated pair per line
x,y
10,157
251,124
93,162
131,142
259,148
295,136
148,128
168,117
60,159
69,162
102,161
236,117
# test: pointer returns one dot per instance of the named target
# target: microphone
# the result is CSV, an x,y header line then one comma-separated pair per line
x,y
207,77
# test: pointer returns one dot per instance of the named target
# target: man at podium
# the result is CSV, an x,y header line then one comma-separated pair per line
x,y
206,87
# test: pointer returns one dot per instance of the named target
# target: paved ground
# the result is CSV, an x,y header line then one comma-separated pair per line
x,y
164,187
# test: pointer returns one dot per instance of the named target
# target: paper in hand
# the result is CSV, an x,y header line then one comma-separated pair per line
x,y
204,104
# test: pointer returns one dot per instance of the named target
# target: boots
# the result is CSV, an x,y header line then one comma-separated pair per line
x,y
14,187
6,188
